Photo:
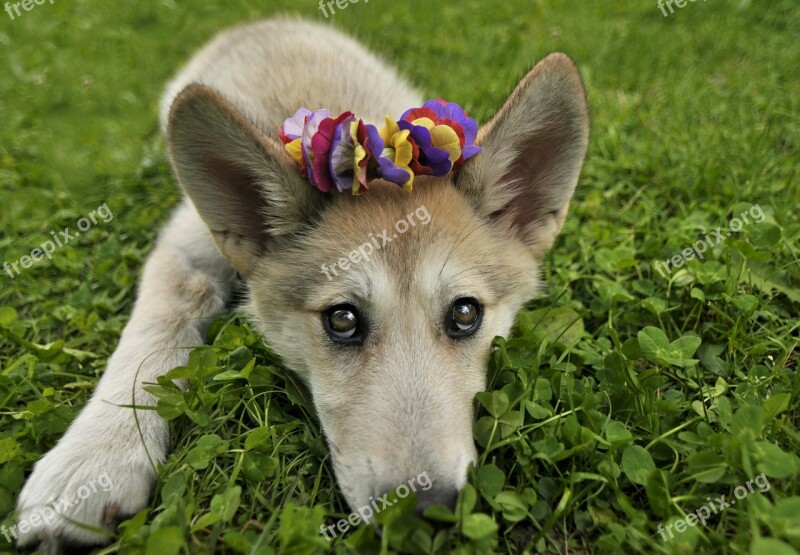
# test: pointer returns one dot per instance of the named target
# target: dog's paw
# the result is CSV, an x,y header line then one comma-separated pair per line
x,y
79,489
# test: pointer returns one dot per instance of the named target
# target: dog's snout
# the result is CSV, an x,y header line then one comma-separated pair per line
x,y
436,496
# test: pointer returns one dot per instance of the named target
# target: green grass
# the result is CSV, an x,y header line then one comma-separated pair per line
x,y
622,401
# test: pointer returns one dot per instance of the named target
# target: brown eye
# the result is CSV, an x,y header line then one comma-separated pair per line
x,y
465,317
342,324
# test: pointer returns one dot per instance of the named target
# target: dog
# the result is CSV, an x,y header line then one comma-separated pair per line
x,y
393,348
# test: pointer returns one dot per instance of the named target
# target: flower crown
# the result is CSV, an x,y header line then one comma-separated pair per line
x,y
346,153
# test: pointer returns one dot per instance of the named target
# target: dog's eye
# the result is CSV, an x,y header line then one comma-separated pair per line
x,y
465,317
341,323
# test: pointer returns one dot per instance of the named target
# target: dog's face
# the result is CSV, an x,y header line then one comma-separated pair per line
x,y
394,346
386,304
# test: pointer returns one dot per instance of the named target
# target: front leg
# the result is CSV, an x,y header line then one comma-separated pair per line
x,y
109,451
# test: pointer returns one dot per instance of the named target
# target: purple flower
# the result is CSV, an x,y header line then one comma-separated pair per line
x,y
431,160
342,156
386,168
451,114
454,112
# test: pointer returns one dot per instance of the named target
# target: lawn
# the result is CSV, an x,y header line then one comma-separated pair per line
x,y
632,395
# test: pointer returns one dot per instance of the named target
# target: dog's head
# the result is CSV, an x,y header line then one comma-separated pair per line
x,y
386,304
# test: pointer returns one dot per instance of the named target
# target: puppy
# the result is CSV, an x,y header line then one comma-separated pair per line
x,y
392,343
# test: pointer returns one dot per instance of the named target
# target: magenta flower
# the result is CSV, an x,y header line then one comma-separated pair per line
x,y
310,129
321,146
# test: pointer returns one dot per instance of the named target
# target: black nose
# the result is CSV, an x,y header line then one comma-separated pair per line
x,y
443,496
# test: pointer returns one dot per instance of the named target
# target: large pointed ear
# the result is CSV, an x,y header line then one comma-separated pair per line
x,y
242,183
533,150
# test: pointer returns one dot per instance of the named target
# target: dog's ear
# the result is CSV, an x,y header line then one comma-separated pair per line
x,y
242,183
533,150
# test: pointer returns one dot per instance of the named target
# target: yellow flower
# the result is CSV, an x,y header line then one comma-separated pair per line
x,y
295,150
444,137
359,153
397,150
